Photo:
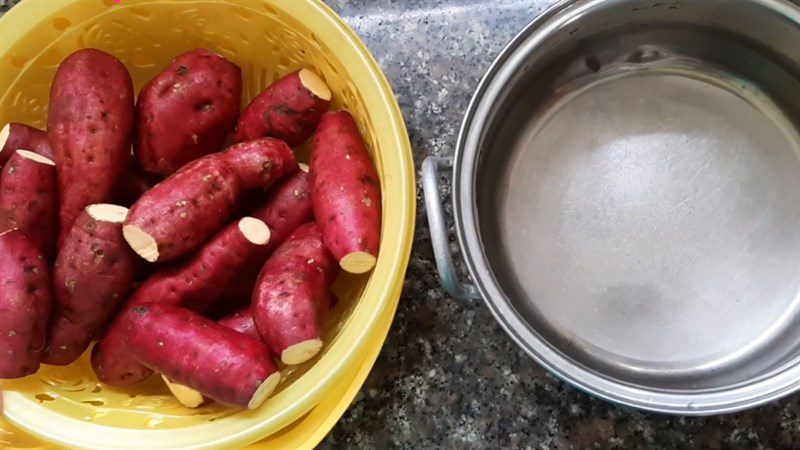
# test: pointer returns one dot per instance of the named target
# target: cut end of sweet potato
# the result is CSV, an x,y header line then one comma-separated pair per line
x,y
264,391
357,262
254,230
304,167
314,84
106,212
141,242
187,396
301,352
27,154
4,133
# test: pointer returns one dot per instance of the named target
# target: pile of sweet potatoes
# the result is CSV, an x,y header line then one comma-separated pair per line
x,y
177,232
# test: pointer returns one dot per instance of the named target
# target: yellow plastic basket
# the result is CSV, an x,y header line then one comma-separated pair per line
x,y
67,406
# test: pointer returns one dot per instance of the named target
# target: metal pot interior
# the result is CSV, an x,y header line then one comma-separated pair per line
x,y
632,173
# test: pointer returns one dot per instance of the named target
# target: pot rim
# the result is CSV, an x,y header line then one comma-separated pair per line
x,y
763,389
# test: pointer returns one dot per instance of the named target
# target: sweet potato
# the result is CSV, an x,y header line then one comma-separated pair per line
x,y
89,125
225,365
346,193
18,136
288,293
25,302
241,321
29,199
260,162
286,207
288,109
194,283
183,211
187,110
94,272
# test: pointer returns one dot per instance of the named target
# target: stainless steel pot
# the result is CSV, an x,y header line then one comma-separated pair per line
x,y
626,192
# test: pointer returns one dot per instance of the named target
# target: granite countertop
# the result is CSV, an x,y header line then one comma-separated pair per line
x,y
448,376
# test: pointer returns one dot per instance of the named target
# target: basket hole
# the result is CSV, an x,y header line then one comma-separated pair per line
x,y
154,421
19,61
61,23
270,9
97,389
93,402
141,12
44,398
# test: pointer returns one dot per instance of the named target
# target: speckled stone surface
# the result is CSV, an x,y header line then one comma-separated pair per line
x,y
448,376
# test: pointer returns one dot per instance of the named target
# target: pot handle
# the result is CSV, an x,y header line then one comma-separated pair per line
x,y
438,229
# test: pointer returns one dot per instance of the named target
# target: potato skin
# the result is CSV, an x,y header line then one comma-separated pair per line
x,y
187,110
220,363
184,210
29,201
95,270
89,125
25,302
285,110
346,191
286,208
260,162
290,288
193,283
241,321
25,137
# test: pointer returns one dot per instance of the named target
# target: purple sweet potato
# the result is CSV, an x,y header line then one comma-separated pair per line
x,y
288,109
89,125
29,199
18,136
25,302
289,291
192,283
183,211
187,110
94,272
346,193
220,363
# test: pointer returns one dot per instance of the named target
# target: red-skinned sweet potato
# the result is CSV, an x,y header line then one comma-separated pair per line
x,y
260,162
183,211
288,109
25,302
241,321
29,199
93,274
89,125
286,207
18,136
178,214
288,293
194,283
187,110
346,193
225,365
